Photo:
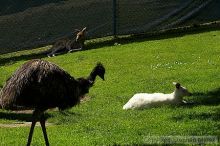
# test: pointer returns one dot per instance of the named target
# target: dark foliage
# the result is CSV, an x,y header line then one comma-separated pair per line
x,y
15,6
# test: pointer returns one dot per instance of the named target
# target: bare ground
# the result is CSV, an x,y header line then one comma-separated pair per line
x,y
21,124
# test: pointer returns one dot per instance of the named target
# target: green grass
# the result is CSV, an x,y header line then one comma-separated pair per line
x,y
141,66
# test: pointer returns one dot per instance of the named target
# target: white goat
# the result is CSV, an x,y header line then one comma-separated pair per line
x,y
143,100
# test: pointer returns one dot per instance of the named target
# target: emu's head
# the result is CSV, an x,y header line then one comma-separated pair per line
x,y
86,83
181,91
100,70
81,35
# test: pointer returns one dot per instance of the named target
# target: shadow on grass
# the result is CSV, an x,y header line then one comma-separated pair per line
x,y
211,98
173,33
212,116
11,60
65,117
59,117
27,117
69,113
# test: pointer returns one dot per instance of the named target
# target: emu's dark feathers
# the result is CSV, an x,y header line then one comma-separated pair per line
x,y
39,84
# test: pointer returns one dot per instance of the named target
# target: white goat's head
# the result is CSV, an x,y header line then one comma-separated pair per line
x,y
181,91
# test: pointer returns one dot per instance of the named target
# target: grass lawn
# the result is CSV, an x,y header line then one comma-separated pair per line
x,y
139,66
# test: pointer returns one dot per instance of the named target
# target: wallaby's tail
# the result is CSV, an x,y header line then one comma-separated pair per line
x,y
84,29
46,52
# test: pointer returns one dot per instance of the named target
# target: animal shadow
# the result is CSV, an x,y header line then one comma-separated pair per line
x,y
11,60
202,98
20,116
15,6
212,116
210,98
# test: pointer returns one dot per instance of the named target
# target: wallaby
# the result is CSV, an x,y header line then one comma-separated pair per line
x,y
69,45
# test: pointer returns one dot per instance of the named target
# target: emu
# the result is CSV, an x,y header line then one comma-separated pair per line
x,y
67,45
41,85
143,100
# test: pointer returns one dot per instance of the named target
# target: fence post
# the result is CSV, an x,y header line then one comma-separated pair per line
x,y
114,9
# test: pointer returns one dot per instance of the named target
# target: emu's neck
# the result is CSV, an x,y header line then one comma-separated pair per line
x,y
92,76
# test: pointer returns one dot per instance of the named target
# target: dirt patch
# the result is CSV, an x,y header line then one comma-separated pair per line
x,y
22,111
85,99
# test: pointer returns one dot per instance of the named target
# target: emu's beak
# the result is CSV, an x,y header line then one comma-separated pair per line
x,y
91,82
103,78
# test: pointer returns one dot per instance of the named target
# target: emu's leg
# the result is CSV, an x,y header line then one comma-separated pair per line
x,y
34,121
42,123
31,133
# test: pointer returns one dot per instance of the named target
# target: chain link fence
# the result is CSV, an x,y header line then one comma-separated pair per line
x,y
29,24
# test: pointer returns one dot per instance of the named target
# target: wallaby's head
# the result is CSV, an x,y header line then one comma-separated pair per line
x,y
181,91
81,35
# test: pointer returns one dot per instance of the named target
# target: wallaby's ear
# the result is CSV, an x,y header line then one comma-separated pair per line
x,y
76,30
176,84
84,29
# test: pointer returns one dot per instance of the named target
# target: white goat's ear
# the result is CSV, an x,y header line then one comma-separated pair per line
x,y
176,84
76,30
